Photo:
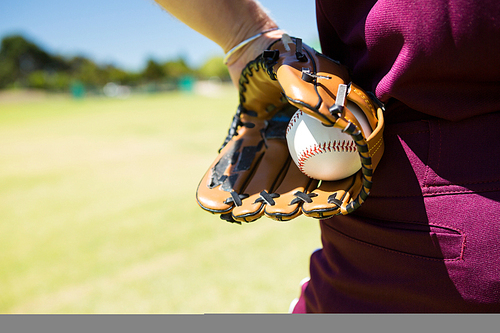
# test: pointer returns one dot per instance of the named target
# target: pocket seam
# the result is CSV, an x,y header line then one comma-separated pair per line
x,y
458,258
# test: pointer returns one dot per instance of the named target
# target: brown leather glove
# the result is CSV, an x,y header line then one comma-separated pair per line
x,y
253,174
254,158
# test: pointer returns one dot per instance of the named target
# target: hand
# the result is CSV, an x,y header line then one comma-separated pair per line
x,y
253,174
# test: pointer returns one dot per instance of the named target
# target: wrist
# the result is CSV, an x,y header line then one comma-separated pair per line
x,y
239,58
246,43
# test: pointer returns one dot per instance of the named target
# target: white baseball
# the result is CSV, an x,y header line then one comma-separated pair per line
x,y
324,153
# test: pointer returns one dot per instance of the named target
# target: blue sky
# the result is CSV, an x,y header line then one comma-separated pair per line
x,y
127,32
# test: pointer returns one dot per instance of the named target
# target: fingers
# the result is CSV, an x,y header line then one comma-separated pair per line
x,y
293,191
315,98
308,79
259,191
333,197
270,185
298,194
318,85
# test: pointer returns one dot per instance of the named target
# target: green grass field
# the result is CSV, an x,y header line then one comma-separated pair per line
x,y
98,212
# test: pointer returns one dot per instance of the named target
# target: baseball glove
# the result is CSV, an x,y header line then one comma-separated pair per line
x,y
254,175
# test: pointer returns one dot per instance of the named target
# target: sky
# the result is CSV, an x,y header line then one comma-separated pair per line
x,y
126,33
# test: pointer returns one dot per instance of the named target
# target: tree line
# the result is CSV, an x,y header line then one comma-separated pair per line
x,y
23,64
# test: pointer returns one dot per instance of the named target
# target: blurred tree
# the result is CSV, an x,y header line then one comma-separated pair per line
x,y
176,69
8,73
153,71
214,67
116,75
88,72
24,64
20,57
55,81
37,80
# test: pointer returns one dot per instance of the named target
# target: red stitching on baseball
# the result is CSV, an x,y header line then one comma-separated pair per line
x,y
316,149
294,119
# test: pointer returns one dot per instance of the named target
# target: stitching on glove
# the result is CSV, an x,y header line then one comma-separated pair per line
x,y
236,198
376,145
267,198
365,98
332,199
301,196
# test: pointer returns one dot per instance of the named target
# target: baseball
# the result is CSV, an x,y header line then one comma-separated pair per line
x,y
324,153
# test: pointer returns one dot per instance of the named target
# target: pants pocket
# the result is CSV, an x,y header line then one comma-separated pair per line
x,y
422,240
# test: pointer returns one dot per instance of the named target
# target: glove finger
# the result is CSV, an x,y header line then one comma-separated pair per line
x,y
332,197
292,192
268,174
307,78
220,188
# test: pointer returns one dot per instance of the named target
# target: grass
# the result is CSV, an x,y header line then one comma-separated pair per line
x,y
98,214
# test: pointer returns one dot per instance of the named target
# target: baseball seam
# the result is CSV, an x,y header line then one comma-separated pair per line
x,y
343,146
293,120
